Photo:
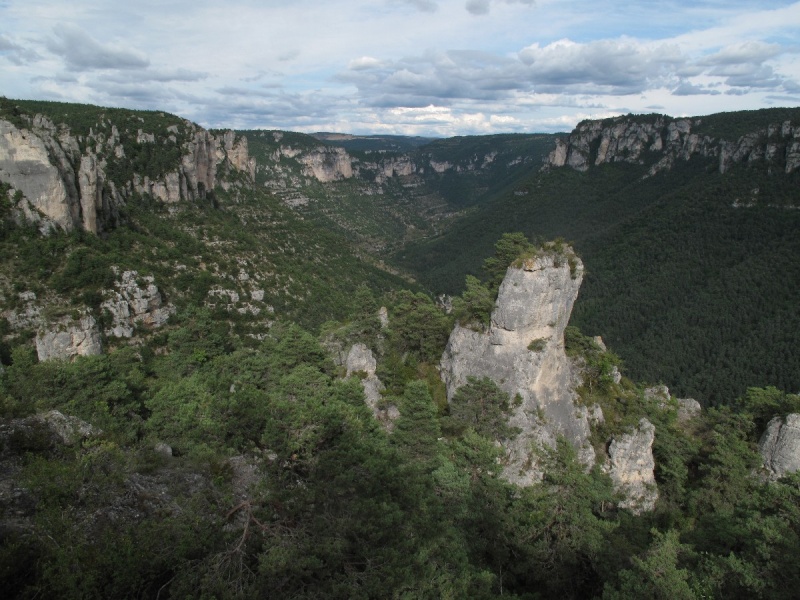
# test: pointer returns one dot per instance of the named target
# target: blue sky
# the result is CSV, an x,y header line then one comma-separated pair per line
x,y
415,67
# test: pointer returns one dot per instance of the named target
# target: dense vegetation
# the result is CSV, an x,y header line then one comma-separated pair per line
x,y
232,457
282,484
692,275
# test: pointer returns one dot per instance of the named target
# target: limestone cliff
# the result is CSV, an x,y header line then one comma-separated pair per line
x,y
328,164
64,178
523,353
780,446
661,141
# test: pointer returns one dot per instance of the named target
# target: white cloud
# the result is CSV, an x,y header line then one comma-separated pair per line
x,y
458,65
744,52
612,66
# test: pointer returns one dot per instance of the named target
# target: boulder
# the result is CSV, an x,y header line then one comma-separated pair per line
x,y
780,446
68,338
631,467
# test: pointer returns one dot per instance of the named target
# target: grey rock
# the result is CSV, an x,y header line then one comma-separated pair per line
x,y
163,449
68,429
659,394
361,361
383,316
688,409
135,300
43,432
631,468
665,141
534,302
360,358
67,339
780,446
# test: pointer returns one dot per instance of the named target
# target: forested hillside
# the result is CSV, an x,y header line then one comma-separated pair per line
x,y
692,273
215,382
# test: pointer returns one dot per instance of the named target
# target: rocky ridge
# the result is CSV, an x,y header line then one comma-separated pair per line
x,y
663,141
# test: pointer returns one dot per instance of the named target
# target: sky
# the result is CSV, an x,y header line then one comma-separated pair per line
x,y
409,67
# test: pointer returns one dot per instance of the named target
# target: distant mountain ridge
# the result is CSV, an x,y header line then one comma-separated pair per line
x,y
661,141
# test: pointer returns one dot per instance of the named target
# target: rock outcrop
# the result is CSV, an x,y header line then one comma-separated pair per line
x,y
361,362
631,467
68,338
26,165
64,187
327,164
661,141
780,446
135,300
523,353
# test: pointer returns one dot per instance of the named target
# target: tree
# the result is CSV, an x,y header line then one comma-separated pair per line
x,y
484,407
655,575
418,326
475,304
508,248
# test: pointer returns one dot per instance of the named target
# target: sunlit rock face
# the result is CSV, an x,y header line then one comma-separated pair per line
x,y
26,165
533,305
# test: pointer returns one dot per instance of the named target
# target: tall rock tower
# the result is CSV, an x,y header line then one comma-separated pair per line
x,y
523,353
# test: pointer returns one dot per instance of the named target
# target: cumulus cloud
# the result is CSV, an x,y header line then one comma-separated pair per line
x,y
435,77
610,66
81,51
745,52
364,63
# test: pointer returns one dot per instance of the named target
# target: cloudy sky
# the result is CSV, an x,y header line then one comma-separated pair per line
x,y
416,67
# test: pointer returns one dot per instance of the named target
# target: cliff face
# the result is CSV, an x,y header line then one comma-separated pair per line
x,y
64,187
533,305
663,141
